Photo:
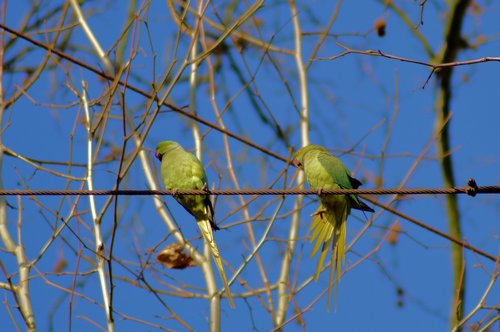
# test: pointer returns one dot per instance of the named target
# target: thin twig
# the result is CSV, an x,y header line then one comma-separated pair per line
x,y
99,243
90,35
153,97
434,66
434,230
242,203
206,266
481,303
22,290
284,295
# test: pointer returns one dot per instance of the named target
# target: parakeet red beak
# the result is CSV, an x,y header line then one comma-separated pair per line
x,y
296,163
158,155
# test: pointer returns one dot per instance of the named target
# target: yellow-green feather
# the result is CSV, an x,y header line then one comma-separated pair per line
x,y
329,231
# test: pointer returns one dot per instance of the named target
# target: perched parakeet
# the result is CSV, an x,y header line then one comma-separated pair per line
x,y
325,171
182,170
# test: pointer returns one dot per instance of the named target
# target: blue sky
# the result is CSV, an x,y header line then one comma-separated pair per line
x,y
352,102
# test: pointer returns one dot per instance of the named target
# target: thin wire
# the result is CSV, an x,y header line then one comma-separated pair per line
x,y
471,191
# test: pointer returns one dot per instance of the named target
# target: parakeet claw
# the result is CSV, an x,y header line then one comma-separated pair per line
x,y
319,212
175,193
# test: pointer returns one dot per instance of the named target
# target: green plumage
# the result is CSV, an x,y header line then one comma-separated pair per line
x,y
182,170
325,171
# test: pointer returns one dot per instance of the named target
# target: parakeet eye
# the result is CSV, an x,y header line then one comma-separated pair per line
x,y
158,155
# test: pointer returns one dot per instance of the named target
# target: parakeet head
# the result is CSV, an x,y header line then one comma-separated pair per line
x,y
165,147
298,158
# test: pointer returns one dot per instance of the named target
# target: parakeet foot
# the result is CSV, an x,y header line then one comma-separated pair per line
x,y
319,212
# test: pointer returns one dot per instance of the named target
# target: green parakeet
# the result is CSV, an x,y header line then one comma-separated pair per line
x,y
325,171
182,170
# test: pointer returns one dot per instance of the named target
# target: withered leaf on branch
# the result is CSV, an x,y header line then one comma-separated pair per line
x,y
173,257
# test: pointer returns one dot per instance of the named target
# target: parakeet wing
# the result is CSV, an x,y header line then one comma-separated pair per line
x,y
341,175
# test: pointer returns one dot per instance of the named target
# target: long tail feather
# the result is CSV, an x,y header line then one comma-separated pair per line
x,y
206,230
329,229
338,253
322,232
